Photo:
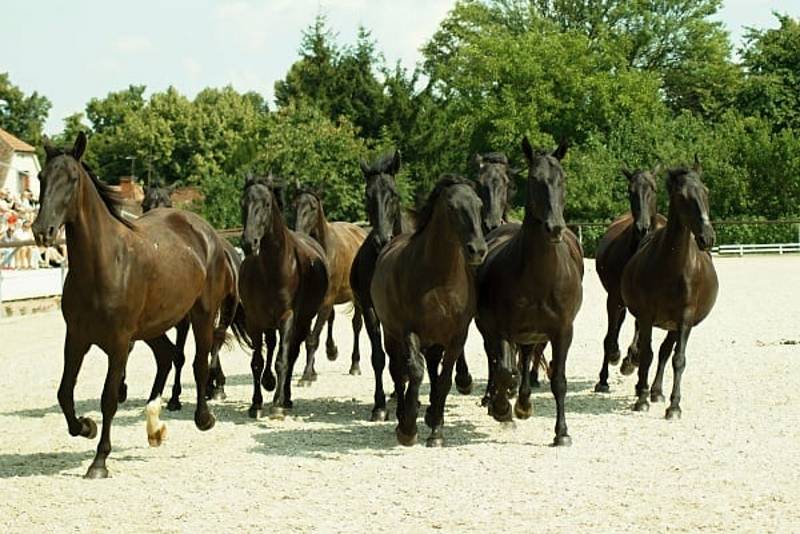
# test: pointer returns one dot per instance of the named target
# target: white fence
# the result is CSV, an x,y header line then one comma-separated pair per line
x,y
770,248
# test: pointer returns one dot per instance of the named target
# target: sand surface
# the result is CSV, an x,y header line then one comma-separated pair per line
x,y
731,463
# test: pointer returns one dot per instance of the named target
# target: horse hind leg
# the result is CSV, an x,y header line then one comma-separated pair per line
x,y
611,354
203,329
215,389
164,352
123,387
631,361
523,408
268,377
182,331
463,378
355,359
378,360
331,350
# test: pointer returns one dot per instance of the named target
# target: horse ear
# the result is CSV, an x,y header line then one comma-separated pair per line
x,y
658,169
396,162
561,150
697,166
527,149
49,148
80,146
627,171
477,161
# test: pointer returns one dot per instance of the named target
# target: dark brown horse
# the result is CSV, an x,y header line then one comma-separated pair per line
x,y
159,197
530,290
386,219
615,248
341,241
282,284
424,294
495,187
127,281
671,283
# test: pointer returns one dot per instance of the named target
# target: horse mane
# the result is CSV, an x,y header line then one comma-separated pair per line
x,y
495,157
683,173
380,165
425,213
111,196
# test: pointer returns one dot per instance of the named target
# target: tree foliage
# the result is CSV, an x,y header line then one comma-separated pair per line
x,y
20,114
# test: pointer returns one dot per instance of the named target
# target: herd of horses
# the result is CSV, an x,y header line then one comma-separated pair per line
x,y
416,285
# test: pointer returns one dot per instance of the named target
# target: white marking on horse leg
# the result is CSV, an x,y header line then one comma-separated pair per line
x,y
156,430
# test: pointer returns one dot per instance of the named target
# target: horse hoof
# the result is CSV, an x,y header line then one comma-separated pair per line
x,y
601,388
123,393
404,439
434,441
277,413
378,415
614,357
204,420
96,472
90,430
486,400
174,405
673,414
655,396
522,412
158,437
268,381
627,367
254,412
333,354
219,394
304,382
562,441
464,384
641,405
429,417
503,415
355,370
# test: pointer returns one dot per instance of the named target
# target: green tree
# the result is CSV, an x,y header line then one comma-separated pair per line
x,y
772,61
20,114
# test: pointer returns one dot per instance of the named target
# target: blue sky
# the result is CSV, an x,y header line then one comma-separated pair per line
x,y
75,50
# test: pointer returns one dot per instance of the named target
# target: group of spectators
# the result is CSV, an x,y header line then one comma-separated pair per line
x,y
16,218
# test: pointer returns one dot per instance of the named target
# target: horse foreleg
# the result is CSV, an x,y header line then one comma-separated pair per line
x,y
440,388
406,430
355,359
503,356
279,407
268,378
123,387
656,392
312,343
182,330
645,357
378,358
539,362
74,351
678,365
463,378
558,383
523,408
257,368
117,359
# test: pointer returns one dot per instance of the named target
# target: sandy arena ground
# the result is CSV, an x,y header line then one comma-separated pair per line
x,y
731,463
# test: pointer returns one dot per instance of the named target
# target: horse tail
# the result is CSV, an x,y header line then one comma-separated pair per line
x,y
239,329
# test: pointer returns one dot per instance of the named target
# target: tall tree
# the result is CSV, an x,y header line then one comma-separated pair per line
x,y
772,61
22,115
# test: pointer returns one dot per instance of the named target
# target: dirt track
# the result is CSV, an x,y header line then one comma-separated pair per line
x,y
731,463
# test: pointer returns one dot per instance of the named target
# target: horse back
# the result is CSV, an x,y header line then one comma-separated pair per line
x,y
344,241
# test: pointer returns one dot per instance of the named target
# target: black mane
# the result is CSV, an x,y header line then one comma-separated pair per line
x,y
425,214
495,157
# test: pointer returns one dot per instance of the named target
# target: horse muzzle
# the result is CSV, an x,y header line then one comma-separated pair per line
x,y
476,252
705,240
46,236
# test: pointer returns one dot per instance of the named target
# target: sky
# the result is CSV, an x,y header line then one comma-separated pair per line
x,y
72,51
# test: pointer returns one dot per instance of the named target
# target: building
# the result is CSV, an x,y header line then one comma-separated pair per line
x,y
19,165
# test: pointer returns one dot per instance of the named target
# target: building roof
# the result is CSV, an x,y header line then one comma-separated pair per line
x,y
16,144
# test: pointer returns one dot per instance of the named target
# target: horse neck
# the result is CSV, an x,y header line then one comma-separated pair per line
x,y
274,247
322,229
91,235
677,243
442,254
534,240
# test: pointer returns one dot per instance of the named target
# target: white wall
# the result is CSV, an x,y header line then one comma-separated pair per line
x,y
21,162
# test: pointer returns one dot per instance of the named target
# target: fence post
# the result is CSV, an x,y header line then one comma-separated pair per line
x,y
580,234
63,273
